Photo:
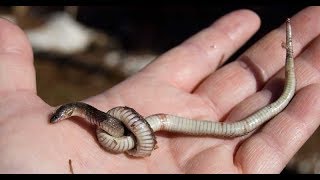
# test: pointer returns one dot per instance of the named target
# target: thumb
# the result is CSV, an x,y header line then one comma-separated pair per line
x,y
16,59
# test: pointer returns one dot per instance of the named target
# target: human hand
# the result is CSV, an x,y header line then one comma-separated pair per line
x,y
186,81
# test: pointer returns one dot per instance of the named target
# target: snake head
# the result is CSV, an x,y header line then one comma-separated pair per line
x,y
63,112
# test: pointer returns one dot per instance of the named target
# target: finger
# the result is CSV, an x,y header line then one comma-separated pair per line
x,y
236,81
307,67
270,149
307,73
16,59
187,64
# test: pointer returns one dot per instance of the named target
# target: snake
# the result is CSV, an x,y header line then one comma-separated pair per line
x,y
122,129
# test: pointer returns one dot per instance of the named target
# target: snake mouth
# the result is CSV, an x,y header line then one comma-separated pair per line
x,y
54,118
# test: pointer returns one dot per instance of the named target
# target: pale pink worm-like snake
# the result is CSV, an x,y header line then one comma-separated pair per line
x,y
137,137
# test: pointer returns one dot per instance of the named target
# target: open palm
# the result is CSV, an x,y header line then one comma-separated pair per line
x,y
185,81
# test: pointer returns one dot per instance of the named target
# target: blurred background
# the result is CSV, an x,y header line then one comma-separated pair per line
x,y
80,51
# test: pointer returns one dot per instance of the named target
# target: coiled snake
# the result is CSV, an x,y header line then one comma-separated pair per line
x,y
137,137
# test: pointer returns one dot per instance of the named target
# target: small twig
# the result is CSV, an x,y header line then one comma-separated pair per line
x,y
70,166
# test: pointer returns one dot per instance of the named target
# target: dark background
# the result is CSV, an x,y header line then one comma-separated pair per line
x,y
161,26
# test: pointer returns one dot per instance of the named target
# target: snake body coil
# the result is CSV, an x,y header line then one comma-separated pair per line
x,y
138,137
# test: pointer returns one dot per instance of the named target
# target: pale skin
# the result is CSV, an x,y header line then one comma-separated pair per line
x,y
190,81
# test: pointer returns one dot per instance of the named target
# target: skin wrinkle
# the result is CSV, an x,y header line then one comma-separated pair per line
x,y
172,81
174,146
237,164
192,112
173,155
291,114
10,46
303,127
180,77
235,30
192,151
13,97
213,108
20,69
306,69
189,164
174,168
313,47
13,61
230,76
312,100
222,60
306,53
202,52
306,63
248,162
6,94
258,73
12,50
275,122
265,130
231,35
249,105
299,128
268,45
121,94
273,144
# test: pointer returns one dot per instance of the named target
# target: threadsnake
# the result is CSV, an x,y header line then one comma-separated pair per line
x,y
122,129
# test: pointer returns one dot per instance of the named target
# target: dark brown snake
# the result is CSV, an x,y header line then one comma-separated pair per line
x,y
122,129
